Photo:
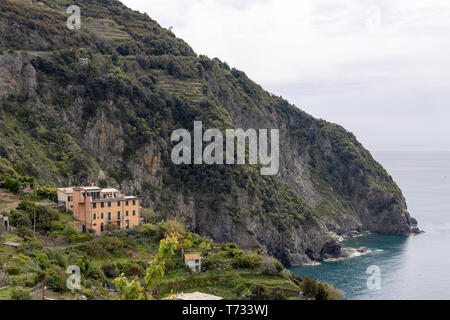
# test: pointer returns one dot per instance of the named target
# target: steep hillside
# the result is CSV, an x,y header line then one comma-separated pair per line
x,y
109,122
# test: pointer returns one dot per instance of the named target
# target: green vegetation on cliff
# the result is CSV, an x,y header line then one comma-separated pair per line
x,y
63,122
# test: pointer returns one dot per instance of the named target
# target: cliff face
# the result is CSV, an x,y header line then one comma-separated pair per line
x,y
109,122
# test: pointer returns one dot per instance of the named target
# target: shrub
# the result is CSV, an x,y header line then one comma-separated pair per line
x,y
58,257
80,237
132,269
21,259
287,274
211,262
271,266
110,270
57,226
95,273
55,278
150,231
309,287
110,227
173,226
320,291
12,185
47,193
13,269
228,246
29,283
102,247
27,212
259,292
20,293
246,261
42,259
69,230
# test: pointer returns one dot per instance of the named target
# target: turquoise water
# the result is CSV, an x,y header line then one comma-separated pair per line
x,y
416,267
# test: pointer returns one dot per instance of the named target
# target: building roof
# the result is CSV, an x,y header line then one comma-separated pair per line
x,y
110,190
66,190
11,244
91,188
194,256
197,296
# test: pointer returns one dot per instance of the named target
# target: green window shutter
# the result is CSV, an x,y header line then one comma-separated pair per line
x,y
109,215
126,213
102,215
118,215
118,203
94,205
95,216
126,203
109,204
134,212
134,202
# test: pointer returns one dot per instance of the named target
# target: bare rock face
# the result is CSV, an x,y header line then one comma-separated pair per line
x,y
104,138
17,76
29,81
10,74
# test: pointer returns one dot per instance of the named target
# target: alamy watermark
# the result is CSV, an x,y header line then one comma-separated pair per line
x,y
374,281
235,146
74,280
74,21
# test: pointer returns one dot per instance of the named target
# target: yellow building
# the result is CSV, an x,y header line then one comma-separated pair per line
x,y
96,208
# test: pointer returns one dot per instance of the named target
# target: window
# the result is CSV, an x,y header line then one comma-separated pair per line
x,y
109,204
134,202
103,205
118,215
126,213
68,198
102,215
134,212
95,216
118,203
109,216
126,203
94,205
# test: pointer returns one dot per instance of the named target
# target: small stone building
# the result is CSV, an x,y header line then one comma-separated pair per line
x,y
4,224
193,261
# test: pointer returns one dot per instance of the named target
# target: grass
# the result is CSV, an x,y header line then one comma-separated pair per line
x,y
5,294
8,200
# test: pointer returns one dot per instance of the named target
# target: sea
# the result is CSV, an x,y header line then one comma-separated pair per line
x,y
402,268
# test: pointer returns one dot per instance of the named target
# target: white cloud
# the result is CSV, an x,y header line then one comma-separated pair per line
x,y
353,62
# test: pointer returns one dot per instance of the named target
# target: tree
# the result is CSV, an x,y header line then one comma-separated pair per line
x,y
111,227
309,287
20,293
132,289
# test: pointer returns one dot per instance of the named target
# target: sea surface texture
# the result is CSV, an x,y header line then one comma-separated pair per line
x,y
416,267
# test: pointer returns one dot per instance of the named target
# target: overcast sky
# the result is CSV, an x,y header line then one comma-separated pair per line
x,y
381,68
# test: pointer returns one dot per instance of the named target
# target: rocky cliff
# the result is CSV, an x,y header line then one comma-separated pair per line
x,y
108,119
